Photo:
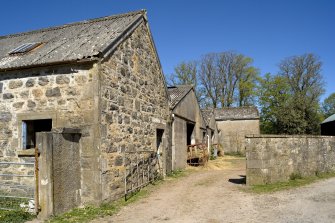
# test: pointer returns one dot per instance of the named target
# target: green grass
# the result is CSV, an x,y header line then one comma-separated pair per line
x,y
295,181
177,174
89,213
12,203
16,216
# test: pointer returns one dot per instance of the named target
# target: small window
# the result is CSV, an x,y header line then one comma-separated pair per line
x,y
30,128
24,48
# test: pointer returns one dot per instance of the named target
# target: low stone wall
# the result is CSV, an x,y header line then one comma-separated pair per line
x,y
274,158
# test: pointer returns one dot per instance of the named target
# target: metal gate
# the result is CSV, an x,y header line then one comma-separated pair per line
x,y
11,185
18,185
141,168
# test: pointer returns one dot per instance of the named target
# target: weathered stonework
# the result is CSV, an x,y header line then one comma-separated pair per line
x,y
133,106
117,99
23,99
273,159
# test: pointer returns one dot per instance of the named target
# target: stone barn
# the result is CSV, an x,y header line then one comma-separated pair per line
x,y
188,126
328,126
234,124
91,97
213,134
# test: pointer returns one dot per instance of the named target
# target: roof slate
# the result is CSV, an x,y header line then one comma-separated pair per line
x,y
71,42
207,114
240,113
177,93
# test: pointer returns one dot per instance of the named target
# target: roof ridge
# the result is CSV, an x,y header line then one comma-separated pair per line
x,y
181,85
99,19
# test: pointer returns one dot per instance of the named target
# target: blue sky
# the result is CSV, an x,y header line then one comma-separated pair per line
x,y
268,31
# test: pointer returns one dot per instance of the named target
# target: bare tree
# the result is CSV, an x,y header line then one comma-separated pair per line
x,y
228,79
210,79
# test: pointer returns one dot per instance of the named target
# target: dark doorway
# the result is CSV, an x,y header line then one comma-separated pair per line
x,y
189,129
159,137
30,128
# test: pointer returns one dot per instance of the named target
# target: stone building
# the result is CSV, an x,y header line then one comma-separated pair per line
x,y
213,133
99,79
234,124
188,125
328,126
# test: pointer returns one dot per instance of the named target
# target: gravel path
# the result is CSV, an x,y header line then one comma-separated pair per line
x,y
213,194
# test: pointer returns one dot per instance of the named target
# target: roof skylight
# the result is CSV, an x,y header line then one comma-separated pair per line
x,y
24,48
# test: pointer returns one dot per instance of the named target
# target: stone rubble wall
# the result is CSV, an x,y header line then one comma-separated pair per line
x,y
272,158
62,93
133,105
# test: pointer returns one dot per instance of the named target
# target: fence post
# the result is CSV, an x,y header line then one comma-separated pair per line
x,y
37,204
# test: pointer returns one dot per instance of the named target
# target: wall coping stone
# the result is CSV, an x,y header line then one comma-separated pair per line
x,y
288,136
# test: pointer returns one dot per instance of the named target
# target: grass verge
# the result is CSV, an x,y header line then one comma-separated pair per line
x,y
294,182
89,213
16,216
177,174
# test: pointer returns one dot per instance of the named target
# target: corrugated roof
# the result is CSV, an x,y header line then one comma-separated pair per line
x,y
177,93
240,113
71,42
329,119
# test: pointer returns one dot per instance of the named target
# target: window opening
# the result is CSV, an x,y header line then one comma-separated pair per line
x,y
30,128
24,48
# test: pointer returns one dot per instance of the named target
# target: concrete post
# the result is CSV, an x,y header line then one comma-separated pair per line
x,y
44,143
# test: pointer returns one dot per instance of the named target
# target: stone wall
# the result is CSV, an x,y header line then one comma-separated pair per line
x,y
233,134
133,105
273,159
64,94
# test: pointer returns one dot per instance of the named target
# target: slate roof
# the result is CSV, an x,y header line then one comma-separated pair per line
x,y
240,113
329,119
177,93
79,41
207,114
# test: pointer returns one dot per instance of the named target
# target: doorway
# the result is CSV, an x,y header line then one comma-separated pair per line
x,y
189,132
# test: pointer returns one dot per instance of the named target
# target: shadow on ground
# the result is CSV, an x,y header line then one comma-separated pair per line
x,y
241,180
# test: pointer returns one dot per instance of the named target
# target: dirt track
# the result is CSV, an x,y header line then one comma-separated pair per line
x,y
213,194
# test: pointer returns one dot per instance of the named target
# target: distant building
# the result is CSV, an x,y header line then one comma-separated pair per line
x,y
328,126
188,125
234,124
213,134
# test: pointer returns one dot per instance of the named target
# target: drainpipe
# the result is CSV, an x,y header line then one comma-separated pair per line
x,y
208,144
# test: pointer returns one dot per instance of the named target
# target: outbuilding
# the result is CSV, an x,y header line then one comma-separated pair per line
x,y
328,126
188,126
97,91
234,124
